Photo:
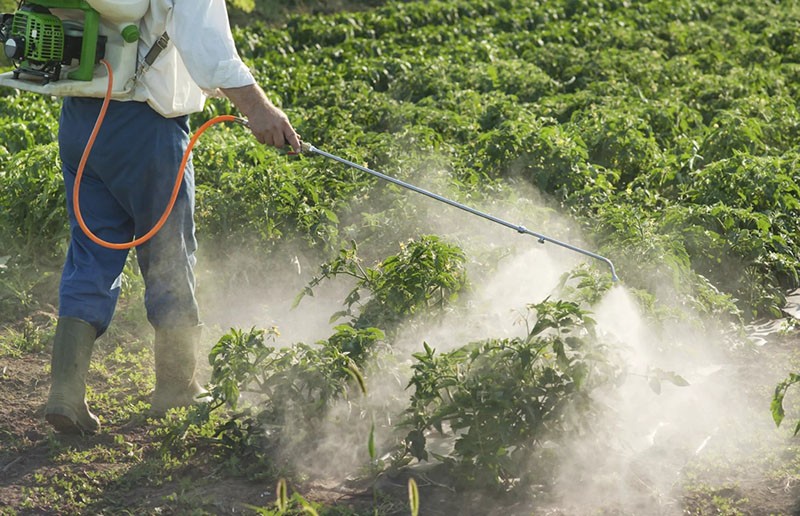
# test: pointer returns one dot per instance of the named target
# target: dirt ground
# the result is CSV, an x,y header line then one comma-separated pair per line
x,y
23,388
31,456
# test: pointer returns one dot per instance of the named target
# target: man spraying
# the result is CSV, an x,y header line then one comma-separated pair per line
x,y
127,180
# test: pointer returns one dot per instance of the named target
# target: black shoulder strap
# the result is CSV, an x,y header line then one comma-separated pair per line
x,y
151,56
159,46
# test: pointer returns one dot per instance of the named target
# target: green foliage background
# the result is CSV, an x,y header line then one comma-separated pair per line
x,y
666,129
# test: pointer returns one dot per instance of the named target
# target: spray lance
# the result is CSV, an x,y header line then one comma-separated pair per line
x,y
308,148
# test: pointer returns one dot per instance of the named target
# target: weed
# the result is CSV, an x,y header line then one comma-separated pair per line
x,y
32,337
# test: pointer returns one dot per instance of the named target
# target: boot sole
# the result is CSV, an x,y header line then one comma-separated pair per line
x,y
66,424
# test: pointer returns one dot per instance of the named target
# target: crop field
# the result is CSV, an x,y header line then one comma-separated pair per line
x,y
371,351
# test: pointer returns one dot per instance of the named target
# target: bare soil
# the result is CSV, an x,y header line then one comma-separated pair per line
x,y
29,453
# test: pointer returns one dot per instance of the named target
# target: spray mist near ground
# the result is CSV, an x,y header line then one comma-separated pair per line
x,y
637,455
268,301
649,443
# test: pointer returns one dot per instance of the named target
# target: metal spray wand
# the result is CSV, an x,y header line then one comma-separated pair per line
x,y
308,148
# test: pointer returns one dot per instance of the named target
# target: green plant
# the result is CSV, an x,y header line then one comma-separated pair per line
x,y
502,399
413,496
424,277
293,387
289,389
285,505
32,337
776,406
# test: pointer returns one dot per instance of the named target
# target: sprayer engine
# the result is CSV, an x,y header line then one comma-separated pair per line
x,y
56,46
39,43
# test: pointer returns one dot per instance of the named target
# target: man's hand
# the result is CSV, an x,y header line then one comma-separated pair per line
x,y
268,123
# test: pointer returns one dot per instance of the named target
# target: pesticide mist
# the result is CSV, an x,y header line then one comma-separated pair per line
x,y
654,430
675,403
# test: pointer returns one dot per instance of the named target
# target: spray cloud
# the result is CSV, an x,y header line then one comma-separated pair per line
x,y
637,456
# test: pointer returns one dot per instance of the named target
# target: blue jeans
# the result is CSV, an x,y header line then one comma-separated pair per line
x,y
125,188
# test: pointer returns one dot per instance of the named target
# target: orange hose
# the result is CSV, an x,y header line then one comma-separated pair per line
x,y
76,188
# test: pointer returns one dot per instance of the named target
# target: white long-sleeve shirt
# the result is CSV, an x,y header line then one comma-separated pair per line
x,y
201,56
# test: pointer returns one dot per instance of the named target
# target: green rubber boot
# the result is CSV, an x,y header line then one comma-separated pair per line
x,y
176,362
66,409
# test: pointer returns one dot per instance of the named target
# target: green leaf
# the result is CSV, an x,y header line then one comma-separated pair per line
x,y
776,406
331,216
281,496
244,5
676,379
371,442
308,508
413,496
355,373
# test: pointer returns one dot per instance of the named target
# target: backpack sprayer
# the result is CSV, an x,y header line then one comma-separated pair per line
x,y
56,45
45,46
75,48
